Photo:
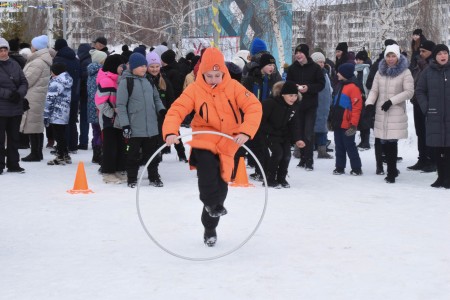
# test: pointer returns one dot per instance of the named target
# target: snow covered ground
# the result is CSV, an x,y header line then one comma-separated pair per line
x,y
328,237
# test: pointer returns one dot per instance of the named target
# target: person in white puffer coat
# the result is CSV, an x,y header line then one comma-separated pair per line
x,y
37,72
392,86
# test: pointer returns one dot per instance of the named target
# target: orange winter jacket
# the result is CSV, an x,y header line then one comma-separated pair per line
x,y
216,109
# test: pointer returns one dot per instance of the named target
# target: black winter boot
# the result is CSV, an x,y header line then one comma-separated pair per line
x,y
446,183
34,144
97,154
390,150
440,171
210,237
378,157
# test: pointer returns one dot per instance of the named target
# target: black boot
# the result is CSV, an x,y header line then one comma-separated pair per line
x,y
97,154
446,168
210,237
34,144
378,157
440,171
365,136
41,146
390,150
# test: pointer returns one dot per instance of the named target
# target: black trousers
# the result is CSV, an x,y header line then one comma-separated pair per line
x,y
149,145
113,148
9,129
71,128
279,160
425,153
59,133
213,189
307,121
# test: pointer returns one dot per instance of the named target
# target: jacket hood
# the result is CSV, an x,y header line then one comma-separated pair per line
x,y
64,79
42,54
83,51
93,68
212,60
66,52
394,71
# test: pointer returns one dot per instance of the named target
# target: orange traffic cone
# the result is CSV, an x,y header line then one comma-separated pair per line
x,y
241,178
80,185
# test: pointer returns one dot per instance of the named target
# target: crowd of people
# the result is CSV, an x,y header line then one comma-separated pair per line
x,y
136,101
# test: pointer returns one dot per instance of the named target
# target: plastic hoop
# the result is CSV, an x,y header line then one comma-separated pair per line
x,y
201,258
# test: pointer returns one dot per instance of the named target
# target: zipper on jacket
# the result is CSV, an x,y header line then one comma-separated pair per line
x,y
234,113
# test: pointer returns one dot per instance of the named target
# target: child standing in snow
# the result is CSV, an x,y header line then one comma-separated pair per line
x,y
138,112
347,105
57,111
217,101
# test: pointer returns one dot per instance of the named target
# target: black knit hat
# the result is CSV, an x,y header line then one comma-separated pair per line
x,y
362,55
303,48
102,40
112,62
417,31
439,48
59,44
347,70
14,44
168,57
266,59
234,70
428,45
289,88
125,48
342,47
58,68
389,42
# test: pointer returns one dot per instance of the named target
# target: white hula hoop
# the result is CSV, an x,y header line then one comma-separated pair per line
x,y
201,258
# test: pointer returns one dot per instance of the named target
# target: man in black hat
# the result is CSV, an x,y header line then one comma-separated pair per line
x,y
100,44
426,161
309,78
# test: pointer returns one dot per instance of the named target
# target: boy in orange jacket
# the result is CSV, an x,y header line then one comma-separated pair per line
x,y
217,101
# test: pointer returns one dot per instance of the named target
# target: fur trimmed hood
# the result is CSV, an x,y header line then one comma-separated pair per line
x,y
398,69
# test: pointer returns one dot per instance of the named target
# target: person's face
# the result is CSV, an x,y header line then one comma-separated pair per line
x,y
290,98
338,54
213,77
120,70
300,57
359,61
154,69
3,53
391,59
424,54
98,46
321,63
140,71
416,37
442,57
268,69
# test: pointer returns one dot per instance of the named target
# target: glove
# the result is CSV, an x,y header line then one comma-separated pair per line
x,y
351,131
46,122
14,97
126,131
386,105
163,112
370,108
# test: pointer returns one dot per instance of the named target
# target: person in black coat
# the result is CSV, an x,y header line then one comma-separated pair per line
x,y
126,52
66,55
280,128
310,81
85,60
433,96
13,88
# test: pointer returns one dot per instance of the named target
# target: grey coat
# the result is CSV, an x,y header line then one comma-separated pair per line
x,y
10,68
433,96
37,72
395,84
139,110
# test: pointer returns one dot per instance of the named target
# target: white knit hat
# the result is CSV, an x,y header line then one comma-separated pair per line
x,y
318,56
4,43
392,49
97,56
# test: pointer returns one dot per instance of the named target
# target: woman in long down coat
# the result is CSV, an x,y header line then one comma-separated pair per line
x,y
392,86
433,96
37,72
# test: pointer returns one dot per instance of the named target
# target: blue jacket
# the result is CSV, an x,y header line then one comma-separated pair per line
x,y
323,109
